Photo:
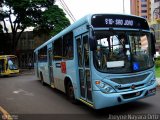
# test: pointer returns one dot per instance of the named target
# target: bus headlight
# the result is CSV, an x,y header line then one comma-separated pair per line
x,y
105,88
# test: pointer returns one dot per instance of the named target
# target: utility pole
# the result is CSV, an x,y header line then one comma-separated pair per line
x,y
123,8
67,10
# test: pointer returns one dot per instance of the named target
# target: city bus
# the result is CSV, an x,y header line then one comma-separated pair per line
x,y
102,60
8,65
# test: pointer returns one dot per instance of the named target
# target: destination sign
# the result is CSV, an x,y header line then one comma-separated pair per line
x,y
119,21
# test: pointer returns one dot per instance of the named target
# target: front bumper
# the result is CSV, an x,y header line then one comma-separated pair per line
x,y
9,72
102,100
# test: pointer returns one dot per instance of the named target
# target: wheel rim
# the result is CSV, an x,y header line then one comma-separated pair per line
x,y
70,92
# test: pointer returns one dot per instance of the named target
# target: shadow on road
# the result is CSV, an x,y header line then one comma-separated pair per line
x,y
124,109
8,76
128,108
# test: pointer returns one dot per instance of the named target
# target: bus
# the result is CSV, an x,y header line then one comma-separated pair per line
x,y
8,65
101,60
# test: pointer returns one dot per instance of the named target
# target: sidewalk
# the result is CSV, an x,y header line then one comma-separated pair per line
x,y
158,80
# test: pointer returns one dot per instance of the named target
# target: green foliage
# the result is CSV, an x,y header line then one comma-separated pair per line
x,y
54,20
158,58
157,63
158,72
40,14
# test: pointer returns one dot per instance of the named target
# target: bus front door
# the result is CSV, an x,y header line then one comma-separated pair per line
x,y
50,67
83,55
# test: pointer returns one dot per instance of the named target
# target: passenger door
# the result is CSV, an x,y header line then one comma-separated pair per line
x,y
50,67
58,65
83,55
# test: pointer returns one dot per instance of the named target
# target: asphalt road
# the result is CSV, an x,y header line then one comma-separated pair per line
x,y
24,98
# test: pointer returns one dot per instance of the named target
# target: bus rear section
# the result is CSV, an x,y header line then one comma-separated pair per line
x,y
8,65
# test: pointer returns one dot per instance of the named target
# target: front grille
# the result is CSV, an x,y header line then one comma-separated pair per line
x,y
131,95
124,88
128,80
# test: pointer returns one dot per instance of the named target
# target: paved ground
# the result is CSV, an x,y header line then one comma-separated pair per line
x,y
24,97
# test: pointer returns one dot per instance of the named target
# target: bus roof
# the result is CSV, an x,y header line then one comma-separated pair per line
x,y
86,19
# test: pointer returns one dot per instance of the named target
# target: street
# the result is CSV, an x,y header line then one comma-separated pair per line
x,y
24,96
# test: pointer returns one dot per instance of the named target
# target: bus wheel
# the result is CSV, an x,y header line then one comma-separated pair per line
x,y
42,80
70,93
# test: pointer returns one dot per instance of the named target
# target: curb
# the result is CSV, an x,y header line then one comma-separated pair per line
x,y
158,81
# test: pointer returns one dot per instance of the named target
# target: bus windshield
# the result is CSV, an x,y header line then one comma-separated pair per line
x,y
12,63
122,52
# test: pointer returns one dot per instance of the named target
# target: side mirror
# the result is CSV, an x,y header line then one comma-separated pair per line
x,y
153,42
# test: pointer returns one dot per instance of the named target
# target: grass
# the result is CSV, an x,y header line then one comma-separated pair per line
x,y
158,72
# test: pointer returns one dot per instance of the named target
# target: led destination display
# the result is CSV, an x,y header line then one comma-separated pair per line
x,y
117,21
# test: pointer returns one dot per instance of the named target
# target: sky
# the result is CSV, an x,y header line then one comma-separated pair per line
x,y
80,8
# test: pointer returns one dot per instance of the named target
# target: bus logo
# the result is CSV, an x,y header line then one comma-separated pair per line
x,y
133,86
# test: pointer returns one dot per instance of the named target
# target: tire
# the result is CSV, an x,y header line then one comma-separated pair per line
x,y
70,93
42,80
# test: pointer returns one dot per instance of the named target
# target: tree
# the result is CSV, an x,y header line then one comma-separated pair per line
x,y
40,14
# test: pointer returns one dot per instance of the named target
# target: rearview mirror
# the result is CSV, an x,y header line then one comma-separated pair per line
x,y
153,42
92,40
93,43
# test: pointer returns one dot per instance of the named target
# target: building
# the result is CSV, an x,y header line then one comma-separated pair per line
x,y
141,8
26,45
149,9
25,49
155,21
28,41
155,9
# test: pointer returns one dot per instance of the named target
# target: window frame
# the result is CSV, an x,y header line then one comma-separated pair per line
x,y
64,54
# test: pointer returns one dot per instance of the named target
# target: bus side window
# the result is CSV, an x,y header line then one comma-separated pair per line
x,y
68,46
42,56
57,49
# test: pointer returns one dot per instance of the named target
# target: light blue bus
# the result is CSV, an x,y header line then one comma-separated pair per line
x,y
101,60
